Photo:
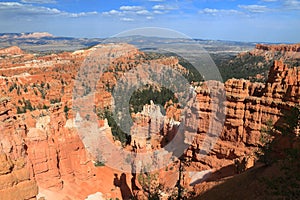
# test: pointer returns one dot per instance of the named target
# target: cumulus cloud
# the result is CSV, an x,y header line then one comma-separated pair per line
x,y
131,12
127,19
81,14
112,12
39,1
143,12
156,0
211,11
19,9
164,7
254,8
25,9
131,8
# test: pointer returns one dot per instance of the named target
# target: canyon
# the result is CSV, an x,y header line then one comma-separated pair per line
x,y
44,155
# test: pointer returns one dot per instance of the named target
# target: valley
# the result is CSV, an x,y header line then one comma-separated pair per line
x,y
61,138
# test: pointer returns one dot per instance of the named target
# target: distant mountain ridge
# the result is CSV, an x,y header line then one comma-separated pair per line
x,y
25,35
46,42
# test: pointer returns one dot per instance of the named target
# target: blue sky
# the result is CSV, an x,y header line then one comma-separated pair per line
x,y
253,20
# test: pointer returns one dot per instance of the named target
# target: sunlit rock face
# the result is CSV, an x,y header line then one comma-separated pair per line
x,y
41,148
16,173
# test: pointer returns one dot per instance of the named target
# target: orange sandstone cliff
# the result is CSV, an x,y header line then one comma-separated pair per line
x,y
43,155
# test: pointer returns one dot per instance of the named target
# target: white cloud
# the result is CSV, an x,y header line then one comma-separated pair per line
x,y
39,1
149,17
210,11
164,7
254,8
131,8
112,12
126,19
127,12
285,5
292,4
9,4
158,7
159,12
25,9
156,0
82,14
19,9
143,12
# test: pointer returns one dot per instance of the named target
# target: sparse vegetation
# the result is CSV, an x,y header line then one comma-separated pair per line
x,y
45,107
266,147
12,87
286,185
27,106
20,110
100,161
66,110
99,164
150,185
159,95
193,74
244,66
116,130
54,101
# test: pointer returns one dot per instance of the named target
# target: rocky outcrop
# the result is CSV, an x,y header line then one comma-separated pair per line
x,y
37,129
250,108
148,124
283,51
16,177
56,153
283,83
40,144
282,48
58,156
11,51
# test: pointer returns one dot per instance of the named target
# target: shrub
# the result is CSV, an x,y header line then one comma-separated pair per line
x,y
45,107
266,146
66,110
28,105
54,101
99,163
20,110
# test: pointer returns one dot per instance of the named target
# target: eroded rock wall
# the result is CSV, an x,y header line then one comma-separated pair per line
x,y
250,107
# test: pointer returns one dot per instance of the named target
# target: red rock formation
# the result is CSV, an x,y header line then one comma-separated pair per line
x,y
250,106
283,83
282,47
11,51
271,51
42,146
16,177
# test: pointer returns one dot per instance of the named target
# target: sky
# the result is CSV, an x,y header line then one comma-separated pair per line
x,y
236,20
